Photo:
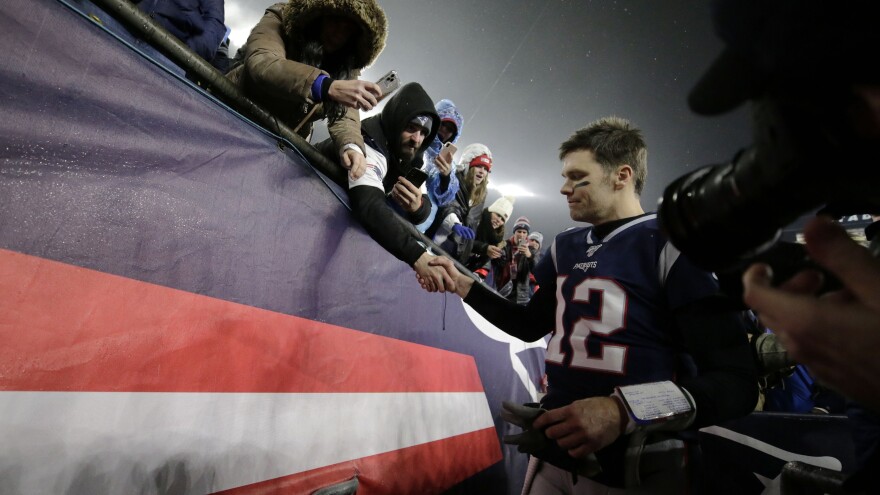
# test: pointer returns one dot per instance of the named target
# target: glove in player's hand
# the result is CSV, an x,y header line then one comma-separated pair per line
x,y
530,440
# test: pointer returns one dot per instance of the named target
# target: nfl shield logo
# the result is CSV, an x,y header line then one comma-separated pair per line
x,y
592,250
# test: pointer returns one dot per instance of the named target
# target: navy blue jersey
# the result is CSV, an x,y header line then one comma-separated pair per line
x,y
614,303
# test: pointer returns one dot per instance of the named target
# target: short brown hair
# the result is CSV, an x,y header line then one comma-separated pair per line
x,y
614,142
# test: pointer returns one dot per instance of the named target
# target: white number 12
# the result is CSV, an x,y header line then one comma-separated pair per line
x,y
610,319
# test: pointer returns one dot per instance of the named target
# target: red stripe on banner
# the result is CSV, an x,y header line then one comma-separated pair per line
x,y
69,328
428,468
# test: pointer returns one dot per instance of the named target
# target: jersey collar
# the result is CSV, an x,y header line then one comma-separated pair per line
x,y
608,230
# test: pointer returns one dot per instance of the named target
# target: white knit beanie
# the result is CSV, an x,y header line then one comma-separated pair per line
x,y
503,206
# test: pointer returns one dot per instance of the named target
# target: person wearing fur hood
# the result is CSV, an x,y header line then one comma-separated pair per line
x,y
302,62
454,227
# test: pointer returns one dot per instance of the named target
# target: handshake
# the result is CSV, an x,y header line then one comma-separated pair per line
x,y
438,274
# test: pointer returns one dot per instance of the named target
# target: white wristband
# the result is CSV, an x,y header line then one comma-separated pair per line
x,y
656,406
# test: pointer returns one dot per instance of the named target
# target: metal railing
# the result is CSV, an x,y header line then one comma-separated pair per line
x,y
216,82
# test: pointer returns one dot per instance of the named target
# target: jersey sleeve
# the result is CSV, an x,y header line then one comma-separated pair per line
x,y
528,323
545,269
726,385
683,280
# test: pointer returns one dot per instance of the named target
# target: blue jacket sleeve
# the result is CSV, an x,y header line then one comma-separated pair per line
x,y
435,187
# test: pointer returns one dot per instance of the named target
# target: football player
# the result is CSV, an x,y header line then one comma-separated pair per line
x,y
640,347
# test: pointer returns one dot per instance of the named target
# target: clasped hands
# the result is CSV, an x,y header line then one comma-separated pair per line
x,y
438,274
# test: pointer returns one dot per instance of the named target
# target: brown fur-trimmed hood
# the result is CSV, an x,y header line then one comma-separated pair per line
x,y
369,16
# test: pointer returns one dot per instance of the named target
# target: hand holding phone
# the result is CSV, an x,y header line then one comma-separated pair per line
x,y
417,176
448,151
389,83
409,198
443,162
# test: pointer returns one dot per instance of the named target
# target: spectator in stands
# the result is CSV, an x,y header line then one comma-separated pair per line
x,y
302,62
490,234
396,140
442,183
454,227
536,241
510,271
198,23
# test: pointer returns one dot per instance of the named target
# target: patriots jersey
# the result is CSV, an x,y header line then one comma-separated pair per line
x,y
614,301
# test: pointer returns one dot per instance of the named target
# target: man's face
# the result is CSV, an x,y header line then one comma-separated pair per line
x,y
411,140
446,131
534,245
480,174
520,235
587,188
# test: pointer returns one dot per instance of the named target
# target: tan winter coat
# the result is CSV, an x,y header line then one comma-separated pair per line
x,y
284,86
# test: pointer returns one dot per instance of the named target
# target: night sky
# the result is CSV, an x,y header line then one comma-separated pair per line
x,y
526,74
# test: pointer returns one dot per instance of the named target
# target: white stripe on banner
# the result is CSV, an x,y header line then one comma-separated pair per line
x,y
49,438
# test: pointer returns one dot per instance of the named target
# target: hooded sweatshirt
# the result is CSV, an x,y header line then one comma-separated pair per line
x,y
441,194
382,137
441,189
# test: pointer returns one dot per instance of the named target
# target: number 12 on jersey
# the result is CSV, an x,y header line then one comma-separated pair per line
x,y
610,318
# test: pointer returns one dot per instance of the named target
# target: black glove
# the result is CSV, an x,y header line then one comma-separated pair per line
x,y
535,442
530,440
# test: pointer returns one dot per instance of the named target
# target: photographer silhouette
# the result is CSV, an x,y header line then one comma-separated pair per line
x,y
810,71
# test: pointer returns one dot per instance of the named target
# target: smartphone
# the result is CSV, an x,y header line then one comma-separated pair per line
x,y
448,151
389,83
417,176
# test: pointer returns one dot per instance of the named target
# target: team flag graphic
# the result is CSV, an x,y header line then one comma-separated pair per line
x,y
99,366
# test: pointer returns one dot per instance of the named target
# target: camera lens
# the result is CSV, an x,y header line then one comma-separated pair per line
x,y
721,215
695,212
